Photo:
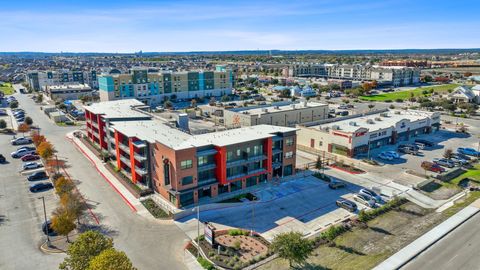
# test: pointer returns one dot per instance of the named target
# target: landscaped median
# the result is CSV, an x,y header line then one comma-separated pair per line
x,y
424,91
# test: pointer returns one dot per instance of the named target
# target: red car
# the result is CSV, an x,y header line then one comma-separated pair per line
x,y
30,157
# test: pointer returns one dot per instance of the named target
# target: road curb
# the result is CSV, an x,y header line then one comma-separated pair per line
x,y
45,249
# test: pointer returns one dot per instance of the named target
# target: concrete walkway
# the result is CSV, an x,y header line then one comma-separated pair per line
x,y
99,165
409,252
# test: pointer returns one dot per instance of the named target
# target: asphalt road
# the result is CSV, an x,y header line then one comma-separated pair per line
x,y
458,250
149,244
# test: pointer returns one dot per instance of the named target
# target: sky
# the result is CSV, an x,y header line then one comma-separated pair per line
x,y
173,26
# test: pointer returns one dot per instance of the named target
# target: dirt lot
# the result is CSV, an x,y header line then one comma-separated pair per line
x,y
365,248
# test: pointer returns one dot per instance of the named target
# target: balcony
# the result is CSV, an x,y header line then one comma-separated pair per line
x,y
236,163
206,167
124,148
112,140
276,138
139,144
207,181
207,152
276,151
256,171
236,176
139,157
140,171
125,160
256,158
94,124
276,165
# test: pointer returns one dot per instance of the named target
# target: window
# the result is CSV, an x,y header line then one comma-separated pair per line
x,y
229,155
187,180
320,143
186,164
202,160
289,154
239,152
289,141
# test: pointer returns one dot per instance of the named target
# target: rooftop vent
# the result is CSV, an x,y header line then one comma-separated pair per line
x,y
378,119
353,123
384,114
276,108
370,121
336,127
265,110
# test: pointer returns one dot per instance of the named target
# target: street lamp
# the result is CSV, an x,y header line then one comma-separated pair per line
x,y
46,224
198,228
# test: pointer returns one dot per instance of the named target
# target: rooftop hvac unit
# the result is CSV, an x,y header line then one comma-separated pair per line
x,y
370,121
264,110
384,114
335,127
276,108
353,123
293,106
378,119
397,112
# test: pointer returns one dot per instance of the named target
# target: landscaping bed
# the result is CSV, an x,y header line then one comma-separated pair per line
x,y
417,92
155,210
240,198
346,168
127,183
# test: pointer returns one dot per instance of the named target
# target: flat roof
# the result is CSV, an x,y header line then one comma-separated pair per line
x,y
375,121
69,86
117,109
280,107
155,130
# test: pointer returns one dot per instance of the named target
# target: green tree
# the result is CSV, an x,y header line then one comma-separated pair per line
x,y
292,246
28,120
371,106
168,104
3,124
87,246
225,98
63,222
111,259
74,204
14,104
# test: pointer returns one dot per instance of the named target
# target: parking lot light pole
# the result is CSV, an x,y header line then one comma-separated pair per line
x,y
198,229
46,224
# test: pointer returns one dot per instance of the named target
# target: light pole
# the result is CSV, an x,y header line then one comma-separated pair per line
x,y
46,224
198,229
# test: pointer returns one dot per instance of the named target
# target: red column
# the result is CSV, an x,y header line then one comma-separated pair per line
x,y
117,149
132,160
221,162
101,133
268,145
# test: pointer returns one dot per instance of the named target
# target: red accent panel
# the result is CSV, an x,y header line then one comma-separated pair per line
x,y
132,160
101,133
268,145
221,162
117,149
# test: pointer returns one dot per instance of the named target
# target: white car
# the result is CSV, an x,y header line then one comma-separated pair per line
x,y
20,141
31,165
371,194
22,152
365,200
393,154
385,156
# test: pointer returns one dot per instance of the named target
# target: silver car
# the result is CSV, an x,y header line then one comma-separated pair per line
x,y
365,200
371,194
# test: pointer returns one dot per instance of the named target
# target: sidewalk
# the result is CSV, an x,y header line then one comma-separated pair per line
x,y
129,199
409,252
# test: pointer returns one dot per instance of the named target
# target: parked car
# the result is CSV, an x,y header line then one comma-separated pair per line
x,y
394,154
430,166
459,161
26,147
384,156
42,186
22,152
407,150
420,145
413,146
346,204
2,113
47,228
32,165
342,113
425,142
37,176
444,162
462,156
361,198
370,193
468,151
30,157
2,159
335,184
20,141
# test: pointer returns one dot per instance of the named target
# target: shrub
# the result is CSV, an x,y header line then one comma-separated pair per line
x,y
399,100
211,254
332,232
235,232
388,101
205,263
236,244
365,216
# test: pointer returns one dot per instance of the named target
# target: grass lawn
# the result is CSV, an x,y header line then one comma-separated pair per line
x,y
473,174
365,248
7,88
406,94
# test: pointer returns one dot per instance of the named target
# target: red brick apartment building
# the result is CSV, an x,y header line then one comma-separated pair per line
x,y
182,167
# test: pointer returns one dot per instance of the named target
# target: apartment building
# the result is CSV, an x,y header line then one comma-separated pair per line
x,y
386,75
39,80
279,114
185,168
354,136
153,87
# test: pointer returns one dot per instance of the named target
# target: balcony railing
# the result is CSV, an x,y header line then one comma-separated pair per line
x,y
276,151
236,176
206,167
124,148
256,171
125,160
139,157
207,181
206,152
140,171
140,144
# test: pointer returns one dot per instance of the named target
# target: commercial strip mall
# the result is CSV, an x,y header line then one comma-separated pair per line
x,y
182,167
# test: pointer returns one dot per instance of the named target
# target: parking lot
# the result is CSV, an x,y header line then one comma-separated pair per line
x,y
313,210
21,214
443,139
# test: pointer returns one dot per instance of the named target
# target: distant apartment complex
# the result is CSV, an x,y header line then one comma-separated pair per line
x,y
388,75
184,168
39,80
153,87
68,91
354,136
279,114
